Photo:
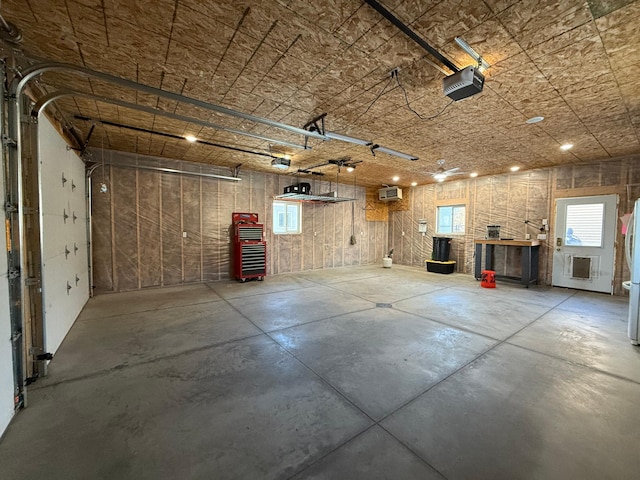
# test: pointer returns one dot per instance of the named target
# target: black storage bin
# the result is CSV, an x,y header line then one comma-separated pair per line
x,y
441,249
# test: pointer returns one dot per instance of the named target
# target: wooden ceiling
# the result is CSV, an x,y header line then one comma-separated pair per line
x,y
577,63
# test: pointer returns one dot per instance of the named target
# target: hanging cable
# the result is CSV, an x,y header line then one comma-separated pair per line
x,y
377,97
394,74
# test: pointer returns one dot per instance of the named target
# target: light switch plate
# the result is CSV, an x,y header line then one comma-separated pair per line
x,y
542,236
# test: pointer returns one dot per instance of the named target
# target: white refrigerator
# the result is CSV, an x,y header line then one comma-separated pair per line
x,y
632,252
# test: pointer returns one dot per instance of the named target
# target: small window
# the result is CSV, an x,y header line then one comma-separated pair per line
x,y
450,219
287,218
584,225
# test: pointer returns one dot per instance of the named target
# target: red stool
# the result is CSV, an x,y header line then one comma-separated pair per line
x,y
488,279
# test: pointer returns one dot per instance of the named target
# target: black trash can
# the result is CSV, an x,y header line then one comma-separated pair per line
x,y
441,249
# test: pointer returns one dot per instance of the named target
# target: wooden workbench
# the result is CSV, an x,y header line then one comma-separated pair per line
x,y
529,259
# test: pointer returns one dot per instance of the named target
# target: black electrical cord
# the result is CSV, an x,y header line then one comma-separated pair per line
x,y
395,75
377,97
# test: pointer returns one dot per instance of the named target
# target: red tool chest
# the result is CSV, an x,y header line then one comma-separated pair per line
x,y
249,247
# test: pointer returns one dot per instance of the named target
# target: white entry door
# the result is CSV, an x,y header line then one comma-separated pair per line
x,y
584,242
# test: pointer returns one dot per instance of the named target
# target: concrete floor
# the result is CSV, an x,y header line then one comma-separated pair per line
x,y
303,376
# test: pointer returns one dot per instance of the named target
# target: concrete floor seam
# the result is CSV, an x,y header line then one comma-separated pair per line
x,y
424,460
80,319
338,447
117,368
310,322
322,379
574,363
431,387
449,325
259,294
397,300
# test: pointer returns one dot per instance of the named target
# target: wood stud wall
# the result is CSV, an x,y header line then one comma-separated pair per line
x,y
507,200
138,227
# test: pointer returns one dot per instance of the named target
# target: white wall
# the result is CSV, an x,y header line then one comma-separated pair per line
x,y
6,361
62,305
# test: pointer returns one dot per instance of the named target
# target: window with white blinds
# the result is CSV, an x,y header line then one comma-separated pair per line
x,y
585,224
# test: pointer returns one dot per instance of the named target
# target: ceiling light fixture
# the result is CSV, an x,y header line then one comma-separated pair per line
x,y
566,146
377,148
473,175
396,178
414,184
440,179
534,120
440,176
190,138
350,169
280,163
515,168
345,138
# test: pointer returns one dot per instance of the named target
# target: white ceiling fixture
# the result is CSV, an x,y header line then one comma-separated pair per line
x,y
533,120
396,178
281,163
566,146
473,174
190,138
414,184
441,173
515,168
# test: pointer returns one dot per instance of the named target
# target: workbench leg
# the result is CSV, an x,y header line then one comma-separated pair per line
x,y
526,266
488,253
478,263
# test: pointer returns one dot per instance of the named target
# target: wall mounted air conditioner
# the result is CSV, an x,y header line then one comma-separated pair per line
x,y
390,193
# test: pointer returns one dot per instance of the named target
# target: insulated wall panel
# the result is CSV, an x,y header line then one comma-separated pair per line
x,y
170,204
125,231
101,232
149,227
227,207
191,244
210,230
171,229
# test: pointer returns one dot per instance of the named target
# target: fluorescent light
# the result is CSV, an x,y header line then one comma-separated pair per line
x,y
396,178
190,138
345,138
473,175
566,146
515,168
388,151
